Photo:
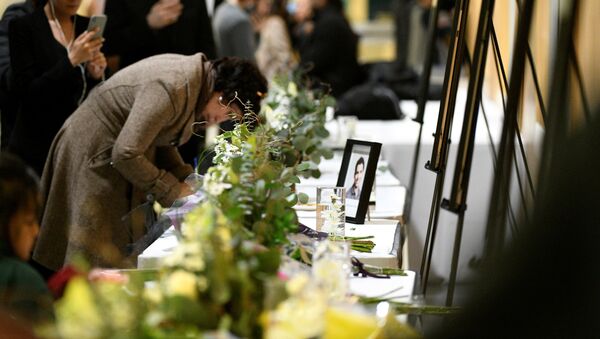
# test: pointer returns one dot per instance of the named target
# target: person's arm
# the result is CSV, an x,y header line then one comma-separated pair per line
x,y
63,76
168,158
11,12
152,111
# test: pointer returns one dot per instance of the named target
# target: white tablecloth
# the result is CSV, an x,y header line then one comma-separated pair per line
x,y
400,288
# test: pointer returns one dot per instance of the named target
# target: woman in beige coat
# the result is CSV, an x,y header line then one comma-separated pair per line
x,y
118,151
274,55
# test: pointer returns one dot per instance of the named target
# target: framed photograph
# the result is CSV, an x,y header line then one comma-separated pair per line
x,y
357,174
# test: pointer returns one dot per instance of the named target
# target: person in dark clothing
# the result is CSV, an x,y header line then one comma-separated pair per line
x,y
23,293
55,63
137,29
8,106
330,52
546,285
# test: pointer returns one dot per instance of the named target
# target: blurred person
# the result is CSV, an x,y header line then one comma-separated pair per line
x,y
139,29
117,153
55,62
23,292
330,52
8,104
234,33
301,25
274,54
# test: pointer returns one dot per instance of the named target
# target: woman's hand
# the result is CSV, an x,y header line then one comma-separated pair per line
x,y
258,22
164,13
85,48
184,190
96,66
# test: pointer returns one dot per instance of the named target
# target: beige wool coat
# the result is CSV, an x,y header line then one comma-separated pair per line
x,y
115,151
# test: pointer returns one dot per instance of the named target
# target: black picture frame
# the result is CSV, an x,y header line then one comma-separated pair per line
x,y
357,201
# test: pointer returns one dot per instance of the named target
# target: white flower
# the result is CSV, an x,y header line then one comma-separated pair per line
x,y
214,181
182,283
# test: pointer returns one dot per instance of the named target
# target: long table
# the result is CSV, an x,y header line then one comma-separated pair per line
x,y
385,222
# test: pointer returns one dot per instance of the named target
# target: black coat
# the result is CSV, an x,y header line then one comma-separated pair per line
x,y
48,87
128,35
331,50
8,106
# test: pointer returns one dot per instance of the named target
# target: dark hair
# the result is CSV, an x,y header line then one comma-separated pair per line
x,y
279,8
19,186
39,3
337,4
361,160
235,74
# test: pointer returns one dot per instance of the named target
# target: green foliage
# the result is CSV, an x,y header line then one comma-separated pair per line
x,y
254,171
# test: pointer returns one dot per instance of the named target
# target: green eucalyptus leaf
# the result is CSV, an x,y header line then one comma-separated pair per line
x,y
300,142
327,153
303,166
322,132
302,198
315,157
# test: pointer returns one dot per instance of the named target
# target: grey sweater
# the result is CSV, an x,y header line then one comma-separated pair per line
x,y
233,31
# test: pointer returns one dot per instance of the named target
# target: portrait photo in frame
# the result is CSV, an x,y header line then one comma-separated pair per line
x,y
357,174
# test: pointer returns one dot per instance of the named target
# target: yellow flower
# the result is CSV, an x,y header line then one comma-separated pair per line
x,y
341,323
183,284
76,313
202,284
297,284
292,89
300,316
225,237
152,293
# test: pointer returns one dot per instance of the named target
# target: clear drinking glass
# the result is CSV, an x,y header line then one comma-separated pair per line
x,y
331,268
331,210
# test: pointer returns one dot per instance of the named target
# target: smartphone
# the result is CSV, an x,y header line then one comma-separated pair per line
x,y
98,21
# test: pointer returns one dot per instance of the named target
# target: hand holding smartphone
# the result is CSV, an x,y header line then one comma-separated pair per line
x,y
99,22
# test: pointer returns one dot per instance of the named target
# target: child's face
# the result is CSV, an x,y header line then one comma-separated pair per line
x,y
23,228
